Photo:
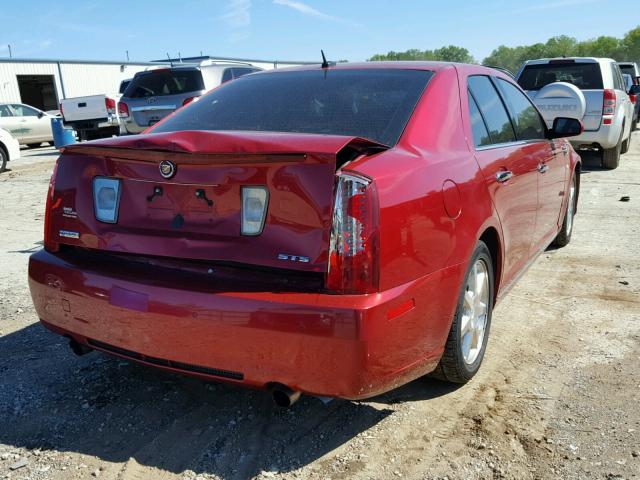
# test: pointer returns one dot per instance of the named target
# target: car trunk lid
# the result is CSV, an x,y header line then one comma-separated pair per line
x,y
197,214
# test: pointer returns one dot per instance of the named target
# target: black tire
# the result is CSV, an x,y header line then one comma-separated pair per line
x,y
34,145
626,144
452,367
611,156
4,158
564,235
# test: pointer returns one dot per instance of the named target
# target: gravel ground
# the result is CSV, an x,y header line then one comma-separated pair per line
x,y
557,396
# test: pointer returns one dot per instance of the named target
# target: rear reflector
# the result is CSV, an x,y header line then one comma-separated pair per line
x,y
354,244
255,201
106,197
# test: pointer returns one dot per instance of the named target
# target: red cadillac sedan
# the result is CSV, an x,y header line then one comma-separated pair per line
x,y
332,230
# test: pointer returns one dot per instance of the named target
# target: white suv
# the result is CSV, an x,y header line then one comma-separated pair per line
x,y
589,89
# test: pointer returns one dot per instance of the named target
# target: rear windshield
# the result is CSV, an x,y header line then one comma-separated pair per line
x,y
630,69
375,104
164,82
585,76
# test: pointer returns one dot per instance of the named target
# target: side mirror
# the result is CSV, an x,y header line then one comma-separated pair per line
x,y
40,114
565,127
634,90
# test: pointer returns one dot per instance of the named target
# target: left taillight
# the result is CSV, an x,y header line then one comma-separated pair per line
x,y
354,248
49,243
106,199
123,110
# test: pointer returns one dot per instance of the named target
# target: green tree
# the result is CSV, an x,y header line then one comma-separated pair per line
x,y
626,48
450,53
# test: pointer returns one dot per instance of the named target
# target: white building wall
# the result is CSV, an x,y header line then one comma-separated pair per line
x,y
92,79
9,91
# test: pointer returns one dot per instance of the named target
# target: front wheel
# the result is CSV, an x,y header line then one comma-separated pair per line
x,y
467,341
564,235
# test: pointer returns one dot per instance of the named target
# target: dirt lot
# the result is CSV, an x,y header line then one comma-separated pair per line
x,y
558,395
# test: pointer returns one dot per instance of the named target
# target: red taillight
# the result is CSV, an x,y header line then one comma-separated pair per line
x,y
633,98
355,237
110,103
123,109
49,243
609,102
187,101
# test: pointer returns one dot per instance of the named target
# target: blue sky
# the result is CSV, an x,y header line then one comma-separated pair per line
x,y
295,30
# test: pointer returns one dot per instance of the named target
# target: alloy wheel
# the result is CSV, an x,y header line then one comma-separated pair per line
x,y
475,311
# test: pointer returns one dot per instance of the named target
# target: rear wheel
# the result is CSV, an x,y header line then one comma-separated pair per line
x,y
469,332
564,235
3,160
625,145
611,156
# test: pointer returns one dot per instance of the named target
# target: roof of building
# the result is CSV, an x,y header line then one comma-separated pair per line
x,y
88,62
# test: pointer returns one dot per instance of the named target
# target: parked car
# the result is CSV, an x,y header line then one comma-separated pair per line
x,y
337,231
27,124
632,69
589,89
92,116
9,149
157,92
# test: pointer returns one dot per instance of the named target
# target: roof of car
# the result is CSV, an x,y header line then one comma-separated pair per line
x,y
575,59
401,65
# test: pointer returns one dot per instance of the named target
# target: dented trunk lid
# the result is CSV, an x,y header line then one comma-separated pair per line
x,y
297,169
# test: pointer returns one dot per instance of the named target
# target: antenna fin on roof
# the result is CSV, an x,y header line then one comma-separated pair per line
x,y
325,64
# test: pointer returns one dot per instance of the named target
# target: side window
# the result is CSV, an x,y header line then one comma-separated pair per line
x,y
492,108
227,75
238,72
527,121
480,133
617,77
5,112
24,111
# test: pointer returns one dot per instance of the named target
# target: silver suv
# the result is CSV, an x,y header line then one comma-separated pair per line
x,y
155,93
589,89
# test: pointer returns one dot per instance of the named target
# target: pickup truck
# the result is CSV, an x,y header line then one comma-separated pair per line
x,y
94,116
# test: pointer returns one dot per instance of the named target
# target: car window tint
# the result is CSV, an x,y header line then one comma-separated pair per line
x,y
480,133
527,120
372,103
492,109
585,76
227,75
618,83
5,112
24,111
157,83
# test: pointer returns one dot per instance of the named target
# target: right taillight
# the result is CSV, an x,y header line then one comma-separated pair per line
x,y
110,105
609,102
355,237
49,243
106,199
123,109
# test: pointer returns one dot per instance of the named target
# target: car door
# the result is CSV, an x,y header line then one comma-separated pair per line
x,y
31,123
551,157
11,123
509,169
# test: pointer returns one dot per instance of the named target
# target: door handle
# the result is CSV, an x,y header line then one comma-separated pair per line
x,y
503,175
543,167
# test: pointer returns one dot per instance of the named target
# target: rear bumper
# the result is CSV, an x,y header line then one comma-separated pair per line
x,y
607,136
331,345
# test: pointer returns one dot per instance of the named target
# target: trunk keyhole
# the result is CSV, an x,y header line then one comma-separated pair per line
x,y
157,192
202,195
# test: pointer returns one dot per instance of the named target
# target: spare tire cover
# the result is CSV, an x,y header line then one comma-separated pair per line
x,y
560,99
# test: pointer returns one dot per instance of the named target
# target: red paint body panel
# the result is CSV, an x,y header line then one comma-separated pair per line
x,y
437,196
